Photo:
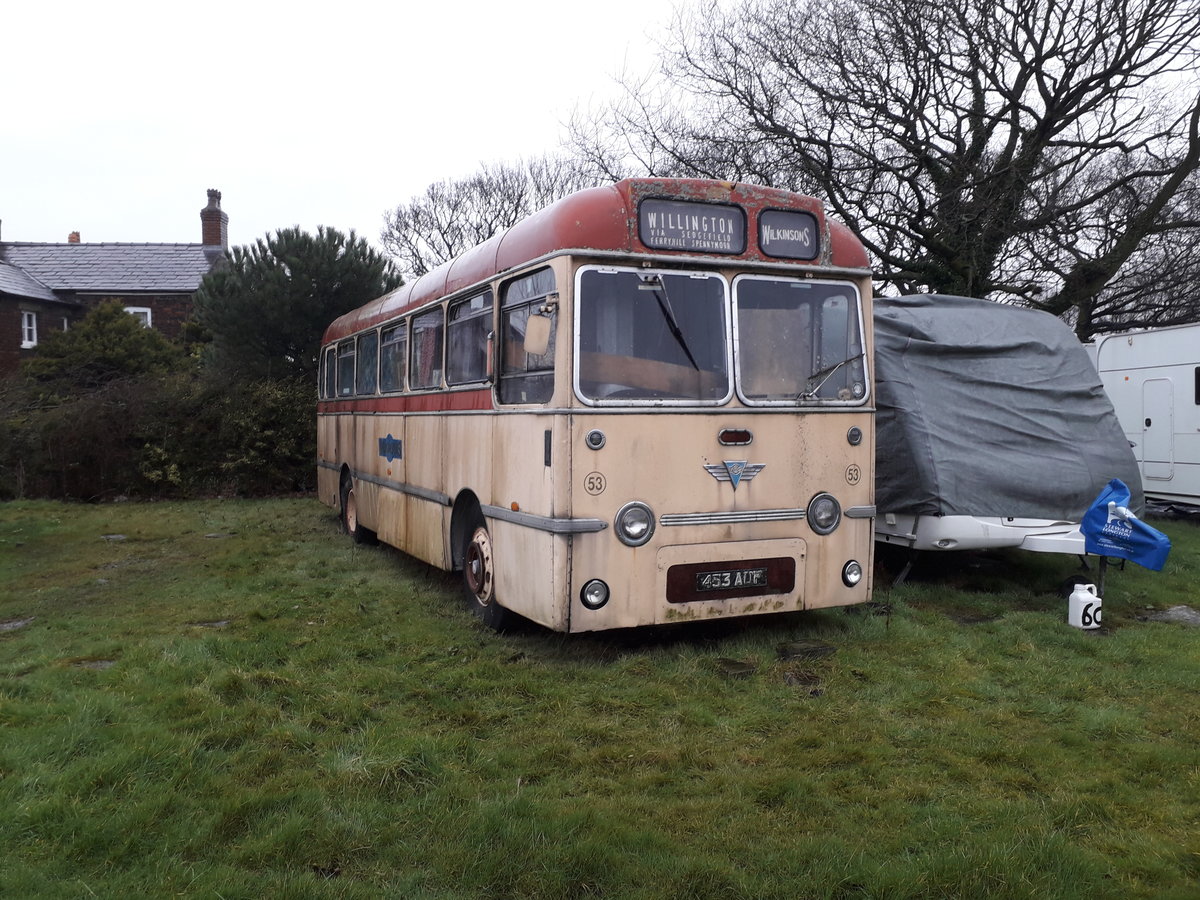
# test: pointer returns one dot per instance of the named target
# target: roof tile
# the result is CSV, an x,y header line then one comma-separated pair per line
x,y
16,282
113,267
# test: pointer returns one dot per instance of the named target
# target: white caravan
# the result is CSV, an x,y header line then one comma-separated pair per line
x,y
1153,380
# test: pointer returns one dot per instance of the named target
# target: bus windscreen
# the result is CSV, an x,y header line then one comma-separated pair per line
x,y
652,336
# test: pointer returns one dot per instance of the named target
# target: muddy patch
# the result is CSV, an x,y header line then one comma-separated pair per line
x,y
1179,615
808,649
735,668
804,681
90,662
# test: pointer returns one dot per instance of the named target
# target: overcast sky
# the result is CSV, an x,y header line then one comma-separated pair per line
x,y
117,117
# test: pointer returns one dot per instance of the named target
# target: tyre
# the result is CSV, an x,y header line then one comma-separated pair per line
x,y
479,577
350,523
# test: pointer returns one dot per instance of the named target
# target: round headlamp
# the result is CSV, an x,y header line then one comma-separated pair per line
x,y
824,513
634,524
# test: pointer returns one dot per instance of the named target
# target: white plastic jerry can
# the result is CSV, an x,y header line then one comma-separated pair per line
x,y
1083,607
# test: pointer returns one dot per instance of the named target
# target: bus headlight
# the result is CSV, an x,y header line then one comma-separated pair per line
x,y
634,523
852,573
594,594
824,513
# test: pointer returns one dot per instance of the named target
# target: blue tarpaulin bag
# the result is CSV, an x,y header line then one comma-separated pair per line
x,y
1110,529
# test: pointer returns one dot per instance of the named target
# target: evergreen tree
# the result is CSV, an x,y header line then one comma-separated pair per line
x,y
268,307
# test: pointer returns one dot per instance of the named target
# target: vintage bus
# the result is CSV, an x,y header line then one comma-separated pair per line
x,y
648,403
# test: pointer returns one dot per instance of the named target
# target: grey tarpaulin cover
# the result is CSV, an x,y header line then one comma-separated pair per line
x,y
990,410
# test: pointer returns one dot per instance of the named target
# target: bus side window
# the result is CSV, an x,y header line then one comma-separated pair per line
x,y
391,357
469,322
345,369
524,377
425,366
328,374
368,357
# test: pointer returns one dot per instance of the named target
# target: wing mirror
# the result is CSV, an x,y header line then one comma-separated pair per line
x,y
538,327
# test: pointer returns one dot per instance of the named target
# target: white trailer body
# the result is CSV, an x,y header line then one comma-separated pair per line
x,y
1153,380
979,533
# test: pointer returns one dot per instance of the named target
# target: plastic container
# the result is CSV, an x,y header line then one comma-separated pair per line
x,y
1083,607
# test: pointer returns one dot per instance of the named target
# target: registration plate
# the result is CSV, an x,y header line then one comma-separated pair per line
x,y
731,579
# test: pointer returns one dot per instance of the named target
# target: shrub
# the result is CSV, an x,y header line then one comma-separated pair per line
x,y
158,435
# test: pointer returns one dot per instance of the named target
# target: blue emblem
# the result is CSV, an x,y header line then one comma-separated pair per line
x,y
734,471
391,448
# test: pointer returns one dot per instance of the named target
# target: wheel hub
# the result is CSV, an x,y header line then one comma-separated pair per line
x,y
477,566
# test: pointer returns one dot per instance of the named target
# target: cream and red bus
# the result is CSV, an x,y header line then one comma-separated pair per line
x,y
649,402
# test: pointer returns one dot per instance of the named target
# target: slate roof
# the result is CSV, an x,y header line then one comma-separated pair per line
x,y
14,281
124,268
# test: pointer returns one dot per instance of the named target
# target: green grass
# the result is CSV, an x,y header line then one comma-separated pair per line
x,y
234,701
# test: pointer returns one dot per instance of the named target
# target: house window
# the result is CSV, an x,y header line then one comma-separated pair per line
x,y
141,313
28,329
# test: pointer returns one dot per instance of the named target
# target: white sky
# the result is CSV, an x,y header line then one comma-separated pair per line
x,y
117,117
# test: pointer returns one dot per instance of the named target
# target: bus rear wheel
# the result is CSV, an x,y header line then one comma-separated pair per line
x,y
350,523
479,579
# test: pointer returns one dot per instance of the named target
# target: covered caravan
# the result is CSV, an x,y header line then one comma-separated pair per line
x,y
992,429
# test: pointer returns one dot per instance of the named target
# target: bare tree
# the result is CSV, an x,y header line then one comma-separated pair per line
x,y
1026,150
1159,284
453,216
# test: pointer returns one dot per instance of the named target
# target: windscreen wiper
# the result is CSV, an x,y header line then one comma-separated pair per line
x,y
824,374
658,287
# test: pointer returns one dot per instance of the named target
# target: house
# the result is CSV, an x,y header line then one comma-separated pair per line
x,y
46,286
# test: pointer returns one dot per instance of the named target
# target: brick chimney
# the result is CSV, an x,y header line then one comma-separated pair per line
x,y
73,237
214,224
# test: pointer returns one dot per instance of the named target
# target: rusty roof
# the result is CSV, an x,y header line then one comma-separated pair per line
x,y
600,219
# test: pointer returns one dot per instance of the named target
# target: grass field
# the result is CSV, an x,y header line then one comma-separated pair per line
x,y
229,699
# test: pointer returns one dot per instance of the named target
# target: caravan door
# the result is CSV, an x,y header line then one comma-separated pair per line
x,y
1158,429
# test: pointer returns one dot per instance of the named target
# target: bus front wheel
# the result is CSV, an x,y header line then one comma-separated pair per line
x,y
479,579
